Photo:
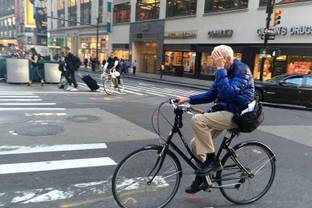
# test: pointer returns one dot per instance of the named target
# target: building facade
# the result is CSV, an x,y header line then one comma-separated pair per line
x,y
79,32
183,33
7,23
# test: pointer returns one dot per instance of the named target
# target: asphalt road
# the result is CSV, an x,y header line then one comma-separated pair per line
x,y
59,149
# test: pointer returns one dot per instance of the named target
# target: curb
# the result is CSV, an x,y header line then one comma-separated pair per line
x,y
183,84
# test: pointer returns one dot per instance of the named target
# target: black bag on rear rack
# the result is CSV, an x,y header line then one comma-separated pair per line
x,y
249,121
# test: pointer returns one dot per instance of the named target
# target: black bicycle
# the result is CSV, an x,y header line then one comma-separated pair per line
x,y
150,177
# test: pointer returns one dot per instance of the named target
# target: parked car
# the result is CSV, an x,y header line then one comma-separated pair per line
x,y
293,89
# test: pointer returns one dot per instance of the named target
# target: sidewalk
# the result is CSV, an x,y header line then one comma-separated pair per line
x,y
166,79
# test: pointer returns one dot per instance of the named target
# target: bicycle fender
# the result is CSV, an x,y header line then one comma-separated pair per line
x,y
258,143
159,147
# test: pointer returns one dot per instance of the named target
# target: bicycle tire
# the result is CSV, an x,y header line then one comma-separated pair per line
x,y
130,178
228,164
108,85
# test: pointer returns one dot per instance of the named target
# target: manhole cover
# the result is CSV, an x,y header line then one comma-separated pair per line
x,y
40,130
83,118
11,118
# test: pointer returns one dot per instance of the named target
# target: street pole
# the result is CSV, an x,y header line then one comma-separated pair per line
x,y
269,10
97,42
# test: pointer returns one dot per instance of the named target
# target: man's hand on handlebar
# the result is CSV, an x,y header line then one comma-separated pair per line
x,y
180,100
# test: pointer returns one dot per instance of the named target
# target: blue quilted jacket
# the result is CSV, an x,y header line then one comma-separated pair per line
x,y
232,89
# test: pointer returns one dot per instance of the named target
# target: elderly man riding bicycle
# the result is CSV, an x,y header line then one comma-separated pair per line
x,y
232,91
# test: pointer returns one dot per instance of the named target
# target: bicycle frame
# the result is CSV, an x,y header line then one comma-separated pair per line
x,y
193,161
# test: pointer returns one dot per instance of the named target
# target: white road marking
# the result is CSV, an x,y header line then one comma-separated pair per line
x,y
45,114
17,104
20,100
145,91
55,165
32,109
13,133
53,194
19,96
95,188
9,150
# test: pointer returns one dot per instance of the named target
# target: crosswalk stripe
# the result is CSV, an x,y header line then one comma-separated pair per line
x,y
136,93
32,109
10,150
19,96
15,104
145,91
20,100
45,114
55,165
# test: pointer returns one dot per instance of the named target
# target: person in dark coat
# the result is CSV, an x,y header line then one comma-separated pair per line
x,y
71,66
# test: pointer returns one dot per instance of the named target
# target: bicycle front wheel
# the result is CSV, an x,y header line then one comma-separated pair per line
x,y
140,182
246,186
108,85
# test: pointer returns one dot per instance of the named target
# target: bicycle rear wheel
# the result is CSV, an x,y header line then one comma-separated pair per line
x,y
239,187
108,85
132,183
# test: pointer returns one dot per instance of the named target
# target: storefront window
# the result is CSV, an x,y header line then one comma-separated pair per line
x,y
121,53
264,2
283,64
224,5
181,7
61,13
299,64
85,11
147,9
180,62
122,13
207,67
87,48
72,12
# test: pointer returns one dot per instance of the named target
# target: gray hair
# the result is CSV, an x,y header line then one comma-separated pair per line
x,y
226,51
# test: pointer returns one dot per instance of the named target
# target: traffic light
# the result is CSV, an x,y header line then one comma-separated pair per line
x,y
277,16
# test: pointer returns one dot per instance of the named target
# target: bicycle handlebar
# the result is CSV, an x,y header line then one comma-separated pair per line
x,y
185,107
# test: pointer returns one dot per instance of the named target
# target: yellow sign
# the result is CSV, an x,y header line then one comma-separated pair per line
x,y
29,14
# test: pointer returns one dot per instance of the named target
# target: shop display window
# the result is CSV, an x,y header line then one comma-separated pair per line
x,y
122,12
267,71
299,64
147,9
224,5
207,67
181,7
264,2
180,62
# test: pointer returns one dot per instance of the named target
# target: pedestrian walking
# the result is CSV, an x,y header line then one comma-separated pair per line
x,y
134,66
93,61
85,62
162,69
35,58
72,65
64,80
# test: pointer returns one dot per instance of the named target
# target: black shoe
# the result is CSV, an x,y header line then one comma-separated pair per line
x,y
197,185
212,166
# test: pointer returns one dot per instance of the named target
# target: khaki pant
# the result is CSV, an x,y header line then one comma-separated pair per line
x,y
206,127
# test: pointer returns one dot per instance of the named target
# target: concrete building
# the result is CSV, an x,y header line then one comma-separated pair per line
x,y
182,34
79,33
23,23
7,22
